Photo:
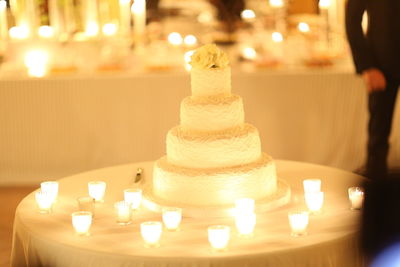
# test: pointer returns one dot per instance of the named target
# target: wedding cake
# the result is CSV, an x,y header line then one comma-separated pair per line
x,y
213,157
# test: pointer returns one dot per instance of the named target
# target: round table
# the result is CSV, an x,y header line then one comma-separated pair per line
x,y
49,239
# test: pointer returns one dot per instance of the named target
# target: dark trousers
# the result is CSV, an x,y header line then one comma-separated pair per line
x,y
381,106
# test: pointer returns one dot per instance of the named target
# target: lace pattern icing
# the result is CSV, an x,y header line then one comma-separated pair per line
x,y
208,82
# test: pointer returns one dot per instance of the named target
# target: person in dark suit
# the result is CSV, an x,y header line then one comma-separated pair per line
x,y
376,56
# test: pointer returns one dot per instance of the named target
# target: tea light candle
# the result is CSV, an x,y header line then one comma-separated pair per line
x,y
44,201
151,233
356,196
172,218
249,53
46,31
134,197
19,32
81,221
36,62
218,236
314,201
123,212
277,37
244,206
303,27
245,224
109,29
312,185
50,187
276,3
248,15
298,223
190,40
97,190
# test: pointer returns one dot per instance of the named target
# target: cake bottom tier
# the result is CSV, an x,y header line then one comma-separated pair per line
x,y
212,187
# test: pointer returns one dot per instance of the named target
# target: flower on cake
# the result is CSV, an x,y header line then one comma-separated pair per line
x,y
209,57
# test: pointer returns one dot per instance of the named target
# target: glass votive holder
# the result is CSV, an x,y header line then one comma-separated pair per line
x,y
133,196
312,185
86,204
82,221
244,205
50,187
151,233
44,201
219,236
314,201
123,212
245,224
97,189
172,218
356,197
298,221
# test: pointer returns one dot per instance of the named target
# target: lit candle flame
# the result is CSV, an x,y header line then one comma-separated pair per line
x,y
175,38
303,27
45,31
109,29
248,15
277,37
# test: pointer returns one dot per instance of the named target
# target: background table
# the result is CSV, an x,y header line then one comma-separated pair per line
x,y
49,240
58,126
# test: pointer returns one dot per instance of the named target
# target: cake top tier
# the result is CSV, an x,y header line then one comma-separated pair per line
x,y
209,57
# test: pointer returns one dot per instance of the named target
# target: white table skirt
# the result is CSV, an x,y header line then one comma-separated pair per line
x,y
57,126
49,240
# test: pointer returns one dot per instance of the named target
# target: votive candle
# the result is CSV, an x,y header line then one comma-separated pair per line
x,y
245,224
312,185
51,187
133,196
97,190
172,218
219,236
356,196
314,201
44,201
82,221
244,205
298,222
123,212
151,233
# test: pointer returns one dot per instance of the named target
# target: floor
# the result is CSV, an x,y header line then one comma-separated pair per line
x,y
12,196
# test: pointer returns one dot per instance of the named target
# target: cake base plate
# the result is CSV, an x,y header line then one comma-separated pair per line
x,y
279,198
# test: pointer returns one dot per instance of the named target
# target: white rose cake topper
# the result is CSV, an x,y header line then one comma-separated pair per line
x,y
209,56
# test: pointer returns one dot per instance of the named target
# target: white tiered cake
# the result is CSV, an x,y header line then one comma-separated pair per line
x,y
213,156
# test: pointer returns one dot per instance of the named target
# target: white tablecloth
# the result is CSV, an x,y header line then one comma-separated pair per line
x,y
49,240
57,126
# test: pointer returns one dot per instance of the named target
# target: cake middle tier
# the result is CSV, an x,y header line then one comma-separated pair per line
x,y
195,149
212,113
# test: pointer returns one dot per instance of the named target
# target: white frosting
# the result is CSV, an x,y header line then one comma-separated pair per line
x,y
209,82
204,187
236,146
212,113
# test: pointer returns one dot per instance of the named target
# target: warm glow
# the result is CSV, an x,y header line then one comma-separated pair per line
x,y
188,57
36,62
51,188
245,224
123,212
46,31
276,3
109,29
248,15
314,201
138,6
97,190
19,32
249,53
218,236
244,206
298,222
205,17
151,233
356,196
312,185
175,38
133,196
277,37
3,5
324,4
44,201
92,29
81,221
303,27
190,40
172,218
